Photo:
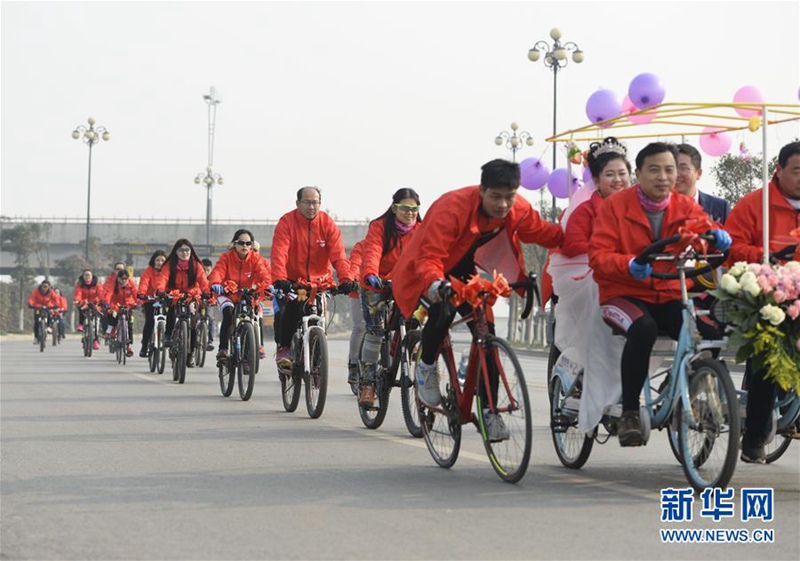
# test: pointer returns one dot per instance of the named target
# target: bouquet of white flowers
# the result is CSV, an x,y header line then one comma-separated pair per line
x,y
765,312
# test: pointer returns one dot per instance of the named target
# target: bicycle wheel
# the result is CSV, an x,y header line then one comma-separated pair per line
x,y
291,384
316,380
42,335
410,350
246,361
373,416
119,350
710,431
441,426
54,328
86,341
202,343
179,346
509,456
123,339
160,349
572,446
776,447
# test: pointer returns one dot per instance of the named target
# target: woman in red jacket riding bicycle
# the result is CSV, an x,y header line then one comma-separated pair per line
x,y
88,290
247,269
182,271
387,236
123,293
147,287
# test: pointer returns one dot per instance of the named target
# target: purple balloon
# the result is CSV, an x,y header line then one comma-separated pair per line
x,y
533,173
646,90
587,175
602,105
558,184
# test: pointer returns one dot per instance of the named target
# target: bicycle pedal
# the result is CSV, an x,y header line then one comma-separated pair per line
x,y
560,423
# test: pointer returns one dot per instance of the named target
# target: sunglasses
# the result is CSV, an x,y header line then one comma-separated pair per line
x,y
184,249
407,208
243,243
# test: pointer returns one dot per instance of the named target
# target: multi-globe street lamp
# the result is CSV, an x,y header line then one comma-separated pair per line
x,y
209,178
90,136
514,141
556,57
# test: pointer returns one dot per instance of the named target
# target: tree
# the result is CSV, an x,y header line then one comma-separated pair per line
x,y
737,175
25,241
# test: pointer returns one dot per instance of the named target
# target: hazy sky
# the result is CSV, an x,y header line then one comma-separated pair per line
x,y
359,98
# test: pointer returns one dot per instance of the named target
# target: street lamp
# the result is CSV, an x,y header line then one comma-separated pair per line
x,y
556,57
514,141
208,179
90,136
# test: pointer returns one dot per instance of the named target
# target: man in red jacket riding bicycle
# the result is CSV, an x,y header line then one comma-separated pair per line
x,y
306,243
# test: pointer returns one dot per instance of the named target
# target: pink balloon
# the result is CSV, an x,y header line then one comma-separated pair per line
x,y
558,184
646,90
602,105
715,142
747,94
628,107
533,173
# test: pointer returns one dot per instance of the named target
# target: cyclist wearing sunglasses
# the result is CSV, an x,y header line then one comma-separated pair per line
x,y
182,271
242,265
480,225
306,243
386,238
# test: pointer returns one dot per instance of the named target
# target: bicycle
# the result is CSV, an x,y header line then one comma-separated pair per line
x,y
242,361
179,347
44,322
494,380
91,326
201,334
308,350
156,350
693,398
396,348
122,337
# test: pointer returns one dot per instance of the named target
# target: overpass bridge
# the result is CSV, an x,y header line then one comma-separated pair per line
x,y
134,240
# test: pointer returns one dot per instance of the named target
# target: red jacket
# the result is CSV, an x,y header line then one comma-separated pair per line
x,y
92,293
306,249
451,227
579,227
62,303
182,278
621,231
148,282
246,272
39,299
124,296
746,226
108,284
355,263
373,260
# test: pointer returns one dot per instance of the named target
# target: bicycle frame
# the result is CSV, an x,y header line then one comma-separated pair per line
x,y
317,314
477,357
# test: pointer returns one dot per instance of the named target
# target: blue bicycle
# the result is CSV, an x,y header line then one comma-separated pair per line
x,y
694,398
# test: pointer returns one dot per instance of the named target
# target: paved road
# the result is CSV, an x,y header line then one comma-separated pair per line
x,y
107,462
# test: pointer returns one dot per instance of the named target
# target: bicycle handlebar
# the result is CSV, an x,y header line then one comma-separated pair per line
x,y
652,252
